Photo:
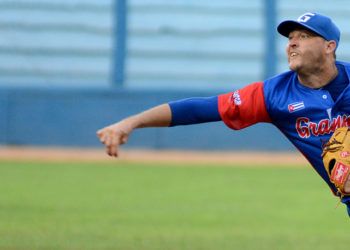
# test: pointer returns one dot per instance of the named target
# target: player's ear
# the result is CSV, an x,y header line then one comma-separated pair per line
x,y
331,46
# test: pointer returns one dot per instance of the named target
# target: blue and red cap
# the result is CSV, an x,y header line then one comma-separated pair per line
x,y
314,22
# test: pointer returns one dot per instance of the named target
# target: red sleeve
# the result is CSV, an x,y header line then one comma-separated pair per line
x,y
244,107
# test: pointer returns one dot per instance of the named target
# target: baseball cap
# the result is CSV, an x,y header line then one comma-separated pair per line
x,y
315,22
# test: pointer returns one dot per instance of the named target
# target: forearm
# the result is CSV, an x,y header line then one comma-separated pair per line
x,y
181,112
159,116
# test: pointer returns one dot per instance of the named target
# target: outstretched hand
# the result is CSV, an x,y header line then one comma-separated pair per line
x,y
114,135
118,133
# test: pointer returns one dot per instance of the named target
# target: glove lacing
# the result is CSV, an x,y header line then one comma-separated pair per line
x,y
332,146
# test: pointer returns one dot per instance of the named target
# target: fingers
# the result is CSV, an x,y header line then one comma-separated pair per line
x,y
112,138
101,134
112,146
112,150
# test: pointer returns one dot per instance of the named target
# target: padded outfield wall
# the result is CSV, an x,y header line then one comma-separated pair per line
x,y
71,117
69,67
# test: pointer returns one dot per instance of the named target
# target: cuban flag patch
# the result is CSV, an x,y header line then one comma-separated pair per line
x,y
295,106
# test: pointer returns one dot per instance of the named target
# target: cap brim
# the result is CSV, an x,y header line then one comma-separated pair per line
x,y
288,26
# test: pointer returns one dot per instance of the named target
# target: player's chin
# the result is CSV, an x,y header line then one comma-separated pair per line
x,y
294,66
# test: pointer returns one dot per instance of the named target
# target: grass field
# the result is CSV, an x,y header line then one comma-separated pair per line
x,y
147,206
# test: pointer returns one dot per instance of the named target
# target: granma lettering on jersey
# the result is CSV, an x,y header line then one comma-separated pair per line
x,y
305,127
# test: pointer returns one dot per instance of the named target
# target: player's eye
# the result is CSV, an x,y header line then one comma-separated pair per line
x,y
304,36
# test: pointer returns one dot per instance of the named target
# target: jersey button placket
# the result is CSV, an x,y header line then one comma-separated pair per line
x,y
328,102
327,99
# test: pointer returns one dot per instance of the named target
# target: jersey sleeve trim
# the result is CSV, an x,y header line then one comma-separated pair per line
x,y
244,107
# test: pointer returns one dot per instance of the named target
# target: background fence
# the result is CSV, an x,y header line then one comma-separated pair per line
x,y
69,67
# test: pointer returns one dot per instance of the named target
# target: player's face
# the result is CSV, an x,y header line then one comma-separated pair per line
x,y
306,51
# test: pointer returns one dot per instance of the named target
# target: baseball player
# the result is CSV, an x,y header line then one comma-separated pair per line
x,y
307,104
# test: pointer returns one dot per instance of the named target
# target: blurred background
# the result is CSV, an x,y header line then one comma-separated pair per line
x,y
68,68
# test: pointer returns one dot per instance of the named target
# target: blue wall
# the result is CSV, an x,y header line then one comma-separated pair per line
x,y
71,117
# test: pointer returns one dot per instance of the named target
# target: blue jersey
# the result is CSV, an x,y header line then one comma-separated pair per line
x,y
306,116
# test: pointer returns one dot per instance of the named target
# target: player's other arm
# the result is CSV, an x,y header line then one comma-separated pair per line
x,y
237,109
182,112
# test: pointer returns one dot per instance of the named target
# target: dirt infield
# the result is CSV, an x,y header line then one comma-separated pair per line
x,y
166,156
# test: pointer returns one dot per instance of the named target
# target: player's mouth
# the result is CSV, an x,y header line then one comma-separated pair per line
x,y
293,54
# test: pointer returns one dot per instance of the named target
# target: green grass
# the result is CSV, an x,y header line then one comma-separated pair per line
x,y
133,206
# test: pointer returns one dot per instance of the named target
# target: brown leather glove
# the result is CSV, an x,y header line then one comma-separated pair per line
x,y
336,159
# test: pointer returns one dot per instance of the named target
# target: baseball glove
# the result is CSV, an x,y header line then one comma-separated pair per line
x,y
336,159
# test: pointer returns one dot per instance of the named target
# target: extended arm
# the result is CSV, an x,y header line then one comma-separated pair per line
x,y
237,109
181,112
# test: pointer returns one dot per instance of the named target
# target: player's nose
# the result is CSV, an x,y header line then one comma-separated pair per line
x,y
293,42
